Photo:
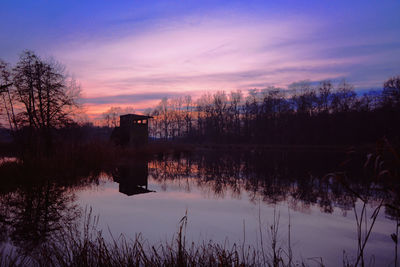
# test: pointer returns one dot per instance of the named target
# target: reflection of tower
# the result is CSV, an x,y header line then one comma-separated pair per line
x,y
132,178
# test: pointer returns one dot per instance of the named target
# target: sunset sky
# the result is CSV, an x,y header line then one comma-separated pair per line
x,y
133,53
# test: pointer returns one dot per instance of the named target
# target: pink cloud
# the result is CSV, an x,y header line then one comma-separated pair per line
x,y
202,54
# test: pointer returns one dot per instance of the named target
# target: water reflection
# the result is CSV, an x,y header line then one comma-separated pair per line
x,y
34,209
38,205
301,179
32,215
132,178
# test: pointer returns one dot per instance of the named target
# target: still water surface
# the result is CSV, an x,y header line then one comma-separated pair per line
x,y
229,199
224,205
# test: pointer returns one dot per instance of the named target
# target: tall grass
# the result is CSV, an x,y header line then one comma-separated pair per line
x,y
89,247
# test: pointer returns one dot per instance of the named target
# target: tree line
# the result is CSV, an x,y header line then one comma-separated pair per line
x,y
328,113
37,97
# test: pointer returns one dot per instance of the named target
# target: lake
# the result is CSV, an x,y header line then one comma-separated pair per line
x,y
230,197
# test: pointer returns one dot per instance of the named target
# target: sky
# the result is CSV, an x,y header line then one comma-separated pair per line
x,y
133,53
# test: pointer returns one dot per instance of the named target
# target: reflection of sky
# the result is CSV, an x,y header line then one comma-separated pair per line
x,y
157,215
136,52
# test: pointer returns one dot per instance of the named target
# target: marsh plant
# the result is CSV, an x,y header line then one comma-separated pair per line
x,y
90,247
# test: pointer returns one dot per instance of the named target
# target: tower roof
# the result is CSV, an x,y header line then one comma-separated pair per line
x,y
135,117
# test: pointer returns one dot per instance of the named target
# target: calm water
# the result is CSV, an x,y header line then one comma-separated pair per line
x,y
228,199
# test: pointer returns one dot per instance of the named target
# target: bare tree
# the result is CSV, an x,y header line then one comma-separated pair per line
x,y
304,114
42,87
324,94
164,116
391,91
235,100
177,116
188,114
344,98
6,95
110,117
37,94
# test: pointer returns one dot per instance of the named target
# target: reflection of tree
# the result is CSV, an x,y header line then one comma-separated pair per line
x,y
37,202
32,215
298,178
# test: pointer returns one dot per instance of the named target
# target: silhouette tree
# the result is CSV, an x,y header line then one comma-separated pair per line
x,y
391,92
6,95
40,97
325,114
111,116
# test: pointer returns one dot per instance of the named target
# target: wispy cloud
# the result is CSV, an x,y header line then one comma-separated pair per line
x,y
203,54
218,54
129,98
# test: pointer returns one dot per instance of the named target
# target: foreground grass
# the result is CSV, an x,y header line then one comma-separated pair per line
x,y
89,248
